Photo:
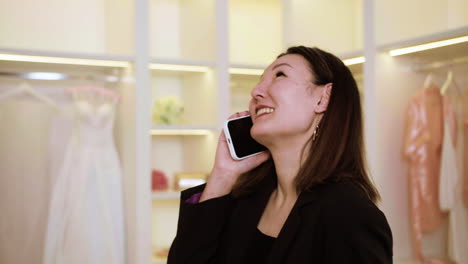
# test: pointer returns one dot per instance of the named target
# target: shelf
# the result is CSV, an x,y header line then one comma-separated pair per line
x,y
76,66
395,20
354,60
342,35
244,69
85,26
432,58
182,130
82,59
182,29
169,195
182,66
205,63
255,34
463,31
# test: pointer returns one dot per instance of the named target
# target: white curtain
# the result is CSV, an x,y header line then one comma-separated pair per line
x,y
25,181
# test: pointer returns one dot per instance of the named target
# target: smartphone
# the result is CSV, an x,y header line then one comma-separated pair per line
x,y
240,142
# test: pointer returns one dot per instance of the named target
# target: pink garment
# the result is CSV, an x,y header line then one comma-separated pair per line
x,y
422,151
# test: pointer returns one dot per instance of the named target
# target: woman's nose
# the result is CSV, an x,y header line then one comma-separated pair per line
x,y
258,91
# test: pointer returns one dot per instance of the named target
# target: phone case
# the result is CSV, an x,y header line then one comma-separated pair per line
x,y
227,134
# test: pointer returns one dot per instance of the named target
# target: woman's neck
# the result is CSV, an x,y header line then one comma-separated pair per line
x,y
287,164
288,154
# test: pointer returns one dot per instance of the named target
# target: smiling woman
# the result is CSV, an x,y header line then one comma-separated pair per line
x,y
309,198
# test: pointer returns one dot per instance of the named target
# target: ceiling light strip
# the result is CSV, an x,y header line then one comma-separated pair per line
x,y
427,46
62,60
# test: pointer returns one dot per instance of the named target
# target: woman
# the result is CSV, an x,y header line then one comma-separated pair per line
x,y
307,200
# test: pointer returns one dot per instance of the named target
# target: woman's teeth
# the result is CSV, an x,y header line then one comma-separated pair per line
x,y
265,110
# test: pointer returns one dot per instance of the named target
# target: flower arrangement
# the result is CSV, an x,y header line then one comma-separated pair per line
x,y
167,110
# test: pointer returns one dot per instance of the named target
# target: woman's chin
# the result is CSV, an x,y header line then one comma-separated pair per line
x,y
260,135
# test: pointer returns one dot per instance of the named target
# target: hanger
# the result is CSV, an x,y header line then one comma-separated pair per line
x,y
26,88
447,83
428,81
97,95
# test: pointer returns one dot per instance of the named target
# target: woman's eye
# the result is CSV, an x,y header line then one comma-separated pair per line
x,y
280,73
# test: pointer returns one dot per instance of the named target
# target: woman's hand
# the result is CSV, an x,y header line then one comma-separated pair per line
x,y
226,170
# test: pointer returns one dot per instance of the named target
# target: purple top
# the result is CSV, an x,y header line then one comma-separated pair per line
x,y
194,198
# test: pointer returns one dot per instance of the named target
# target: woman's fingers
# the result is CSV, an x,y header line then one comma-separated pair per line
x,y
226,164
239,114
254,161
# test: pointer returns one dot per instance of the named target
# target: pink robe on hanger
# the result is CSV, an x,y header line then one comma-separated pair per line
x,y
422,151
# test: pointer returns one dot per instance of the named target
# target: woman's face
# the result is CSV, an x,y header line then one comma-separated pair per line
x,y
283,103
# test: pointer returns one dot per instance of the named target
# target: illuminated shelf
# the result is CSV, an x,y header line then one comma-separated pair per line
x,y
425,39
183,62
162,195
353,60
182,130
426,60
80,59
245,69
444,52
182,65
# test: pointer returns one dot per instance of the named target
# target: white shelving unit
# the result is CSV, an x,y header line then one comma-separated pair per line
x,y
186,48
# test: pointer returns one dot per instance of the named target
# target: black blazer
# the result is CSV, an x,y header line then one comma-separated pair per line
x,y
333,223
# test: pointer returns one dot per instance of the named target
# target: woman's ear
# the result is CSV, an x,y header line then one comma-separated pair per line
x,y
322,104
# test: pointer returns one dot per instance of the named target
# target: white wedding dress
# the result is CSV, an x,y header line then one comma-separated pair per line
x,y
86,223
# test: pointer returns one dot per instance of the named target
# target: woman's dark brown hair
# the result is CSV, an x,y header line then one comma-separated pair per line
x,y
338,149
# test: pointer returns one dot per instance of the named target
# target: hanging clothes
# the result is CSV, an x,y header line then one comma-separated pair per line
x,y
465,162
422,152
464,152
449,175
451,188
86,223
25,181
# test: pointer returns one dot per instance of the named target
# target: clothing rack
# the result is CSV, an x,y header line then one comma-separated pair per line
x,y
440,64
56,76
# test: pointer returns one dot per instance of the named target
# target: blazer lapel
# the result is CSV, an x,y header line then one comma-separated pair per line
x,y
291,226
246,218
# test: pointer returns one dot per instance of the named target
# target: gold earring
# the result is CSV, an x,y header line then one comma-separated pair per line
x,y
315,134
